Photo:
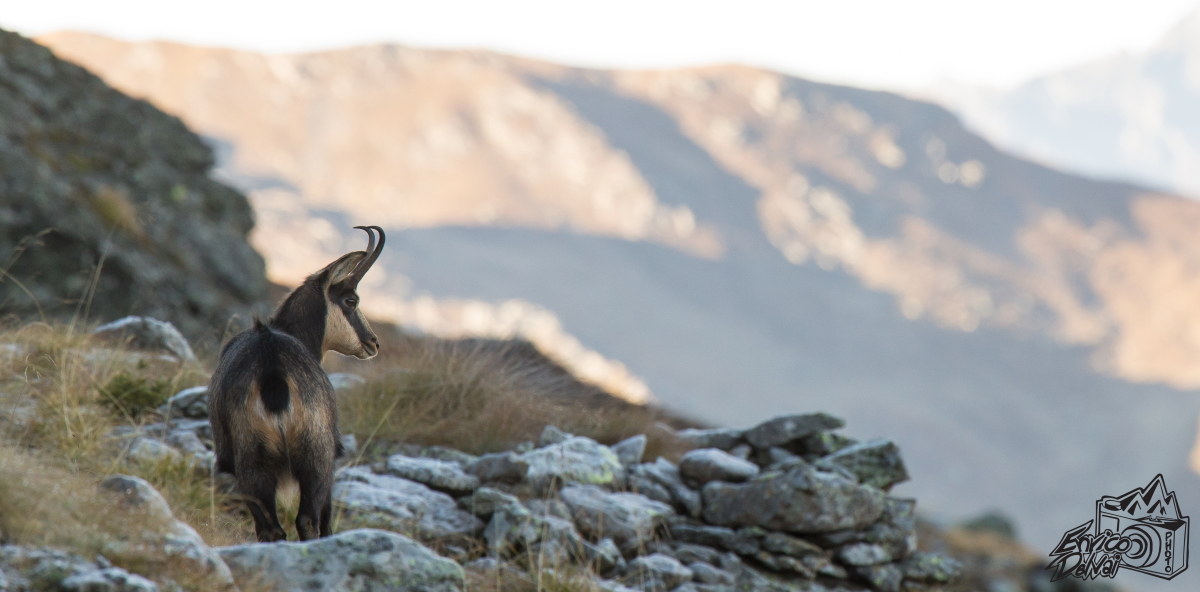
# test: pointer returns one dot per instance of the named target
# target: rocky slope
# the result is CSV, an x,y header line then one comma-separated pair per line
x,y
746,243
107,206
789,504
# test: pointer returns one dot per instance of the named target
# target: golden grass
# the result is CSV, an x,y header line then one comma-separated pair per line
x,y
483,396
63,388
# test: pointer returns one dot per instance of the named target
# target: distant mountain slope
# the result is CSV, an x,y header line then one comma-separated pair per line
x,y
747,242
107,209
1131,116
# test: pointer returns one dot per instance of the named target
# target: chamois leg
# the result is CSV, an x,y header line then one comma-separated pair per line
x,y
259,490
314,478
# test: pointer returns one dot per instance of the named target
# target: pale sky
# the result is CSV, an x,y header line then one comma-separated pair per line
x,y
894,44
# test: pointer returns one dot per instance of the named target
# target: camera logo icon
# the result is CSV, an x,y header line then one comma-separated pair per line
x,y
1140,530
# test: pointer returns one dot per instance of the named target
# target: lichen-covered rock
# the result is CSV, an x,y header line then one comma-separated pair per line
x,y
35,568
401,505
441,475
573,460
363,560
145,531
931,568
874,462
631,520
783,430
800,499
700,466
884,578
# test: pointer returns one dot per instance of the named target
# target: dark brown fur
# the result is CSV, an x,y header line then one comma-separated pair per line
x,y
273,412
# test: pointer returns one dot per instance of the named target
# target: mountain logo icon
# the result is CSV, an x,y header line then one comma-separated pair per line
x,y
1140,530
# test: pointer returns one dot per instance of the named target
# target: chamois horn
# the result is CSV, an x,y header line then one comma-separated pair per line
x,y
373,251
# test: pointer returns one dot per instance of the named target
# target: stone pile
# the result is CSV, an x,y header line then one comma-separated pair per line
x,y
788,504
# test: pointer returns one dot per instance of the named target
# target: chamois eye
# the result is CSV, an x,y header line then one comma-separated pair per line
x,y
350,302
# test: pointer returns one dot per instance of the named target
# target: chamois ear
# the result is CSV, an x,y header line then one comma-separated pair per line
x,y
343,268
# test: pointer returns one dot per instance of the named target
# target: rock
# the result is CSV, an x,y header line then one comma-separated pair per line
x,y
689,552
191,403
717,537
362,560
800,499
630,450
486,500
665,476
149,334
700,466
34,568
783,430
884,578
342,381
146,532
349,446
776,456
860,554
186,442
149,451
875,462
720,438
514,529
655,572
786,544
438,474
820,444
437,452
573,460
707,574
931,568
604,555
552,435
100,172
503,467
631,520
896,529
401,505
109,579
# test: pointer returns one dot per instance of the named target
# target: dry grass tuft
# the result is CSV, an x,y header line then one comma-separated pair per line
x,y
484,396
67,393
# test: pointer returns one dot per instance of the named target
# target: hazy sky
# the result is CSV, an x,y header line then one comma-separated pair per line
x,y
876,43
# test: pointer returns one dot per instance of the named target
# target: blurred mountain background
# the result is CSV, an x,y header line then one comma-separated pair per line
x,y
736,243
1131,115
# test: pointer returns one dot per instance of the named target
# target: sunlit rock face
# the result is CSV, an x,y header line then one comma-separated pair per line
x,y
107,207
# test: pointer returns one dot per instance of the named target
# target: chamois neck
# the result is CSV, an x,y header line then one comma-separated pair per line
x,y
302,315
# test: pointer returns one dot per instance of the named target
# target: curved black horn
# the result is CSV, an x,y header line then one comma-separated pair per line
x,y
373,250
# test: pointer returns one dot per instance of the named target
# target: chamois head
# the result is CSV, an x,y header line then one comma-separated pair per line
x,y
323,312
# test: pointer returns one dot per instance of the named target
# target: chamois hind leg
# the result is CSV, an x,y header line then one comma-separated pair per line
x,y
315,478
258,488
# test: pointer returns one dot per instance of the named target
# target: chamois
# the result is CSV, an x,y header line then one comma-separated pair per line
x,y
273,412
